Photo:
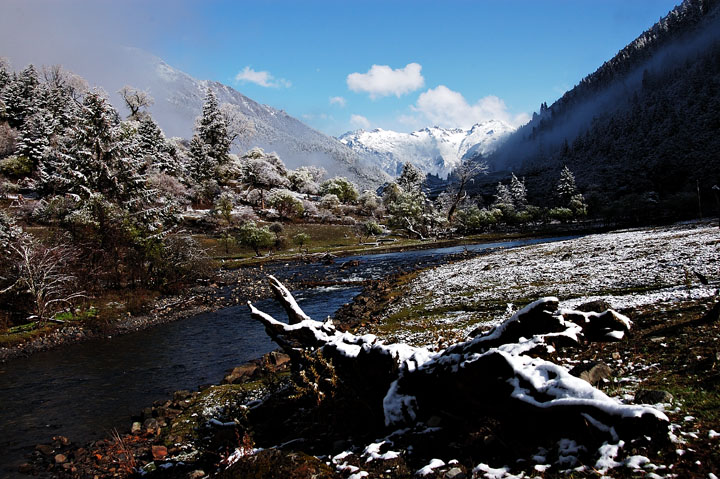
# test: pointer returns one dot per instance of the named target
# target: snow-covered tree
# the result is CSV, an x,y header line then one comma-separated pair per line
x,y
306,179
263,171
463,174
518,192
341,187
201,166
286,203
212,129
136,101
566,188
20,96
369,203
35,136
44,274
100,157
503,197
155,149
255,237
411,178
568,194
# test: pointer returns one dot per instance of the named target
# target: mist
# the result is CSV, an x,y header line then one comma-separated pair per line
x,y
573,113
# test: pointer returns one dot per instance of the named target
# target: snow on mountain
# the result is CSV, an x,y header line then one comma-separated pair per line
x,y
434,150
178,100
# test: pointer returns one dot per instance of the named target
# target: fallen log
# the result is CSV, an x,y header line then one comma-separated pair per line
x,y
492,375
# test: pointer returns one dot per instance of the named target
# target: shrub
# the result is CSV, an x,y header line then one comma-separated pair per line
x,y
16,166
255,237
561,214
301,239
286,204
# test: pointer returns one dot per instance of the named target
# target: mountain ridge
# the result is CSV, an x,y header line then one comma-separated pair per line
x,y
435,150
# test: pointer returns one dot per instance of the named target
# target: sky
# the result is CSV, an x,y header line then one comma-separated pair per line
x,y
340,65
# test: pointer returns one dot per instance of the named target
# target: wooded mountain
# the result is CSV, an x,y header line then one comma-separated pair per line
x,y
641,132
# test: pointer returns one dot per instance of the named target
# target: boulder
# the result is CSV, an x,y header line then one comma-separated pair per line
x,y
241,374
594,372
652,396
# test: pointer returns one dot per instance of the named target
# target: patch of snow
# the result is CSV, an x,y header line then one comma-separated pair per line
x,y
373,452
434,464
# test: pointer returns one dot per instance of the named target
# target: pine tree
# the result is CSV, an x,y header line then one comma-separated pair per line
x,y
154,147
35,136
19,99
100,157
518,193
566,187
201,166
212,130
503,197
411,179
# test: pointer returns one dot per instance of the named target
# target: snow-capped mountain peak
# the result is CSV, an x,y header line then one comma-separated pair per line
x,y
433,149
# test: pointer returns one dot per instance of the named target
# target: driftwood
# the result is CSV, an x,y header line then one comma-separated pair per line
x,y
495,375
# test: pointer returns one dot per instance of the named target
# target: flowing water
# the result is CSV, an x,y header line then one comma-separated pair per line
x,y
84,390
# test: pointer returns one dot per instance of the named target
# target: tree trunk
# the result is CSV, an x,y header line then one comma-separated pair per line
x,y
494,375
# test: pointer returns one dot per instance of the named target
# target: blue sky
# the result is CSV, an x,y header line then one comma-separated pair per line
x,y
339,65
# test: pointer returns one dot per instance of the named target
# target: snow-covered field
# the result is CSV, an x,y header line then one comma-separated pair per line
x,y
627,269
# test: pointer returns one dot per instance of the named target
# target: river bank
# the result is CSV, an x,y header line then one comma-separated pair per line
x,y
235,282
684,301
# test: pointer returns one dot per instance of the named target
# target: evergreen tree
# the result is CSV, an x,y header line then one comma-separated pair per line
x,y
201,166
411,178
518,193
566,188
35,135
19,96
212,130
100,157
503,197
154,147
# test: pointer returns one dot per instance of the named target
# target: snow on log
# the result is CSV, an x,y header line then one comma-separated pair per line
x,y
492,375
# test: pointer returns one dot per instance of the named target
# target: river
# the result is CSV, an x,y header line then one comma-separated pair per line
x,y
84,390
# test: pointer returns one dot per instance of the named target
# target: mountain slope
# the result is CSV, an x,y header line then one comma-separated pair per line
x,y
178,100
640,133
434,150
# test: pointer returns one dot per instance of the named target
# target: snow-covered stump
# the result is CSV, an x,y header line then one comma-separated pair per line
x,y
489,376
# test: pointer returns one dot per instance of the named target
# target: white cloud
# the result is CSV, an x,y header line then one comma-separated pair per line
x,y
381,80
263,78
359,121
447,108
338,100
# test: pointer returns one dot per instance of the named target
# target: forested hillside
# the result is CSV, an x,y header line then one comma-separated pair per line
x,y
640,133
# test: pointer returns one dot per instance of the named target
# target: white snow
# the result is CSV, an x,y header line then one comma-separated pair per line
x,y
627,269
433,150
434,464
373,452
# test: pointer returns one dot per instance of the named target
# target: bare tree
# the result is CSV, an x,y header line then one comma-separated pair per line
x,y
58,78
43,272
239,127
468,169
135,101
